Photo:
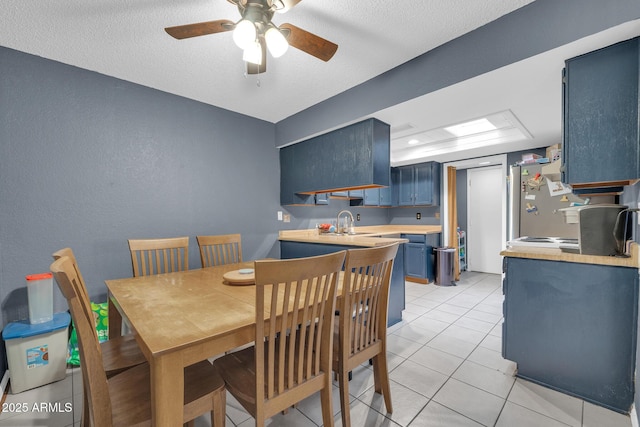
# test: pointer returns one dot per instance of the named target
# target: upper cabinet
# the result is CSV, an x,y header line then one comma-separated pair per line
x,y
601,146
354,157
419,185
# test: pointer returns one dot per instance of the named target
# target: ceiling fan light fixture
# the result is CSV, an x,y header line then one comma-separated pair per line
x,y
244,34
276,42
253,53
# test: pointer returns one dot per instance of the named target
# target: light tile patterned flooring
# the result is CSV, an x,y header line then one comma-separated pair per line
x,y
445,367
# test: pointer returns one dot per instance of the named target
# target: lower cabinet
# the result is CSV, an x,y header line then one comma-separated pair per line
x,y
572,327
290,250
419,257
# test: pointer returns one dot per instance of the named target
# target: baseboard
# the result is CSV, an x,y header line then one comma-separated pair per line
x,y
634,417
416,280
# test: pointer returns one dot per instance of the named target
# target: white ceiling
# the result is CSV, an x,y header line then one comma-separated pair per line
x,y
125,39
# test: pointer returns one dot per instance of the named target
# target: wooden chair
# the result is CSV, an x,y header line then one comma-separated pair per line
x,y
220,250
361,335
118,353
291,359
124,399
157,256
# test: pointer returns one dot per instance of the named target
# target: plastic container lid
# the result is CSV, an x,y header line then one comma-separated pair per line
x,y
24,329
40,276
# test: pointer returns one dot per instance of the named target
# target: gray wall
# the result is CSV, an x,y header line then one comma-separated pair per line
x,y
538,27
89,161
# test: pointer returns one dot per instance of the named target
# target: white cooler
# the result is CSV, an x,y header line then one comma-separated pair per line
x,y
37,353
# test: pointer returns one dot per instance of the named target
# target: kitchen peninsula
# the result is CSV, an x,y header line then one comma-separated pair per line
x,y
570,322
302,243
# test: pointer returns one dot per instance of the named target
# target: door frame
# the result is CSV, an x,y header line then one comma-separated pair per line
x,y
477,162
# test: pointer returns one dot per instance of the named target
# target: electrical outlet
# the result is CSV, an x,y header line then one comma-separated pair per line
x,y
287,218
357,217
279,215
418,215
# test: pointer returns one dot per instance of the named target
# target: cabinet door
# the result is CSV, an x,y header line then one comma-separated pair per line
x,y
557,315
415,262
322,198
423,184
372,197
385,196
601,115
406,186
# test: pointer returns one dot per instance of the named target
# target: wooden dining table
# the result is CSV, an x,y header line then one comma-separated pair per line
x,y
179,319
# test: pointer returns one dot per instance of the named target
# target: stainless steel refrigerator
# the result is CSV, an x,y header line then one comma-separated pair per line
x,y
534,211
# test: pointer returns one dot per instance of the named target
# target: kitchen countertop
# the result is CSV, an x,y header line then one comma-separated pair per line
x,y
367,235
557,255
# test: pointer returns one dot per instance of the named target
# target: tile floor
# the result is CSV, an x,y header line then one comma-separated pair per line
x,y
445,368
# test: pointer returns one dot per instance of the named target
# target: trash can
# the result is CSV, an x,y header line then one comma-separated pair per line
x,y
445,264
37,353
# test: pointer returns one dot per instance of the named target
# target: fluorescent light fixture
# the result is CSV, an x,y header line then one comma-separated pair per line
x,y
470,128
413,142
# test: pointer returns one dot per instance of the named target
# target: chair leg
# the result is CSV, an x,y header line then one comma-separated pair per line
x,y
218,415
84,418
343,380
381,378
326,402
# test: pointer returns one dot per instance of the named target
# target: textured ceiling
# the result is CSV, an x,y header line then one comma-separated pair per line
x,y
125,39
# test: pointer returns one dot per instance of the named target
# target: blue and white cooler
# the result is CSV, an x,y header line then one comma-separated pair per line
x,y
36,353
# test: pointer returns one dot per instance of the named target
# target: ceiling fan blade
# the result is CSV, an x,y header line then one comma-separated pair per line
x,y
309,42
200,29
284,5
255,68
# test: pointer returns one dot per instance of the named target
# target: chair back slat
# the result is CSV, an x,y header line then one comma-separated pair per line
x,y
295,302
157,256
365,296
220,250
96,387
79,283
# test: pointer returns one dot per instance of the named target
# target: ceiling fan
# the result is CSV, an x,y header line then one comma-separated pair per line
x,y
255,33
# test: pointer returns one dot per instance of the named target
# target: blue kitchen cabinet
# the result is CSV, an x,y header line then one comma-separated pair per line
x,y
374,197
601,130
290,250
322,198
419,258
348,194
385,196
287,194
353,157
572,327
419,185
340,194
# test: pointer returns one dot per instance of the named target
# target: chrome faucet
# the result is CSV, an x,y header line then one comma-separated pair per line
x,y
348,227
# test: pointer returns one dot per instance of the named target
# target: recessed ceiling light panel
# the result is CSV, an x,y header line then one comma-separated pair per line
x,y
471,128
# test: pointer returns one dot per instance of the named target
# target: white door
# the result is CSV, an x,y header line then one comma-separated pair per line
x,y
484,219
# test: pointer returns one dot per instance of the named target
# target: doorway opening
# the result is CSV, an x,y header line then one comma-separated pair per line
x,y
493,190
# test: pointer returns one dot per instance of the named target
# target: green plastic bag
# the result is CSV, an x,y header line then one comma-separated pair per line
x,y
101,317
